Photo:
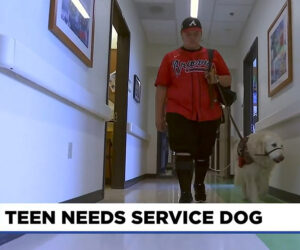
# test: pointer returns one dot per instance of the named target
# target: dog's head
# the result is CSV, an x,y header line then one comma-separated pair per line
x,y
271,145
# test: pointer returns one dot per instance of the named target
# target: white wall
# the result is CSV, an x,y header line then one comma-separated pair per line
x,y
152,146
285,177
36,127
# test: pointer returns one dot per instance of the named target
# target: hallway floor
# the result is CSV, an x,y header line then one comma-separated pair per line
x,y
166,190
219,190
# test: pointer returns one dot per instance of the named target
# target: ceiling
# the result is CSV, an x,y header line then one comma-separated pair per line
x,y
222,20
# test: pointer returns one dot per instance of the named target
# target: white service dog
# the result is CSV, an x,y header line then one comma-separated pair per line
x,y
265,150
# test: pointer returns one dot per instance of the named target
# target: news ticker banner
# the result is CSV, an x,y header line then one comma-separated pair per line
x,y
149,217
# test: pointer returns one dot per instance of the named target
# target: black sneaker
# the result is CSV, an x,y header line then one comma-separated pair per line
x,y
200,195
185,197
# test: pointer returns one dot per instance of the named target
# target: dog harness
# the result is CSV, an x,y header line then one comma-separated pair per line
x,y
244,156
242,150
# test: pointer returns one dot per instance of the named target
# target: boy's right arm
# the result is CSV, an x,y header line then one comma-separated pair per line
x,y
160,100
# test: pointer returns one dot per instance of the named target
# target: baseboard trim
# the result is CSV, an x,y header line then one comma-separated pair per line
x,y
92,197
134,181
161,176
151,176
284,195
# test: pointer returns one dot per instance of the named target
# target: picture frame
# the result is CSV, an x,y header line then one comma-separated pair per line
x,y
137,89
73,22
280,61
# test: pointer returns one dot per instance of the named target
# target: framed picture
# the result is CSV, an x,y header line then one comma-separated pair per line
x,y
73,21
137,89
280,61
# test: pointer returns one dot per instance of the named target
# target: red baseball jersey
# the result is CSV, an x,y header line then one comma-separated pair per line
x,y
183,73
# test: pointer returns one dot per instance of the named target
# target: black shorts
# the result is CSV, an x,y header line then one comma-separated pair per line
x,y
187,136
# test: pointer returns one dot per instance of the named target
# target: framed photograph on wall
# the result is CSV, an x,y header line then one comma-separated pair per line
x,y
280,61
73,21
137,89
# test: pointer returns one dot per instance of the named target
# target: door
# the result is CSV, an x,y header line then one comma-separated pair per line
x,y
251,89
121,97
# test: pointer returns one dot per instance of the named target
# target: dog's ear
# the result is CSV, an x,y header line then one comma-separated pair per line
x,y
260,146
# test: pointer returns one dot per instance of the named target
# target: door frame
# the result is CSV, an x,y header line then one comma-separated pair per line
x,y
121,99
248,78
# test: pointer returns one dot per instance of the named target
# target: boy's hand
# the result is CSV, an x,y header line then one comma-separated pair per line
x,y
211,76
161,124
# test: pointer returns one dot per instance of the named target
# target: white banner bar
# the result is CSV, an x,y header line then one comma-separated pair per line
x,y
148,217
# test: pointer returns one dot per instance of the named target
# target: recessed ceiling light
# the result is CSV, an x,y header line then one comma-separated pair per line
x,y
194,8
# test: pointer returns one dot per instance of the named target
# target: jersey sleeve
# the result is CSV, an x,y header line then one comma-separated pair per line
x,y
164,73
221,66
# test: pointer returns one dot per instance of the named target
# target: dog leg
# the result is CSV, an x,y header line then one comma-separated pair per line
x,y
263,186
251,187
244,189
247,188
253,191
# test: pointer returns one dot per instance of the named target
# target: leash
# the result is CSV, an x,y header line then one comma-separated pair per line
x,y
231,118
235,126
240,135
217,170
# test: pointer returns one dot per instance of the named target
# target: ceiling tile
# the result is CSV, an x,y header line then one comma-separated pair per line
x,y
241,12
161,20
206,9
163,32
225,33
156,11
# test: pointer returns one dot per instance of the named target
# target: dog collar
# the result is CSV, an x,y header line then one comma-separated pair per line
x,y
242,150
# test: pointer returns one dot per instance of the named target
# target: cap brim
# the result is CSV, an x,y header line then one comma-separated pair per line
x,y
192,29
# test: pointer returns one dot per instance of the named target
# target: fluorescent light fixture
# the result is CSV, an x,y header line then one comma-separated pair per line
x,y
194,8
81,9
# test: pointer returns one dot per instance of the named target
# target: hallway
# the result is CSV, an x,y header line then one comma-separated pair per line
x,y
55,107
78,118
